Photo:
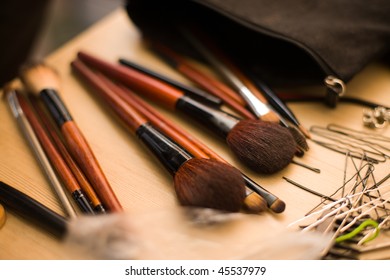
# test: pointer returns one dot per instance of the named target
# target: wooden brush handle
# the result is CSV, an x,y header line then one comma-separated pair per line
x,y
84,156
215,87
78,174
126,113
155,118
151,87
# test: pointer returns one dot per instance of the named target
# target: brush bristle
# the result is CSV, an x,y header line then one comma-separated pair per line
x,y
2,216
265,147
278,206
211,184
254,203
39,76
299,138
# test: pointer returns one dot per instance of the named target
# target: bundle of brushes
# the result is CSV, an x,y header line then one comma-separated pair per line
x,y
247,95
265,147
174,236
257,198
198,182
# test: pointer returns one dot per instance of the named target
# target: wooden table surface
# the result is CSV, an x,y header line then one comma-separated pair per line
x,y
139,181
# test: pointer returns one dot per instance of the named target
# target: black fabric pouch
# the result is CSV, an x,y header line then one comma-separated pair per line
x,y
287,43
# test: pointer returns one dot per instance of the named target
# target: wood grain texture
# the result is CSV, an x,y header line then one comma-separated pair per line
x,y
139,182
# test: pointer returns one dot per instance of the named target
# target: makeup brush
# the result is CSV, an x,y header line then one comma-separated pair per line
x,y
42,81
198,182
263,146
198,149
11,93
252,96
252,202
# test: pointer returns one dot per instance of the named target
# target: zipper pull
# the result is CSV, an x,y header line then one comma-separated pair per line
x,y
335,89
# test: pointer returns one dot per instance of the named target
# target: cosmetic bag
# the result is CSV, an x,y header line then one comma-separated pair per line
x,y
286,43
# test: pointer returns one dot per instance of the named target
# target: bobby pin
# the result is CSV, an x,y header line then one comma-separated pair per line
x,y
316,170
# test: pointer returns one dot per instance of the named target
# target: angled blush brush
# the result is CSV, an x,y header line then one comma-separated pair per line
x,y
197,148
42,81
198,182
265,147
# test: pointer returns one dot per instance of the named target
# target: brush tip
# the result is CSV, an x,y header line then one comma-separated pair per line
x,y
2,216
254,203
209,183
265,147
278,206
39,76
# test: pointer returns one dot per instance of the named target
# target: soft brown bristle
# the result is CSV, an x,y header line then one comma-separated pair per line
x,y
13,85
39,76
2,216
278,206
299,138
265,147
254,203
209,183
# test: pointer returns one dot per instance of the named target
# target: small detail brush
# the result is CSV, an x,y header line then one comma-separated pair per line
x,y
263,146
198,182
11,93
42,81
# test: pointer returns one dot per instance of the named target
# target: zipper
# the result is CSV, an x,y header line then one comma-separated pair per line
x,y
335,86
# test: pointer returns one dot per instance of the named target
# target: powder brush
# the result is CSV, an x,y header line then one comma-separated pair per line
x,y
198,182
253,202
42,81
263,146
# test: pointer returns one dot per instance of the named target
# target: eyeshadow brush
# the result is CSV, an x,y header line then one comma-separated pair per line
x,y
78,174
198,182
263,146
197,148
252,203
11,93
42,81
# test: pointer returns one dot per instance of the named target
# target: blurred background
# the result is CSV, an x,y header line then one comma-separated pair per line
x,y
67,18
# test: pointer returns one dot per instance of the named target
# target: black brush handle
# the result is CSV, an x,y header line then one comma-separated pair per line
x,y
193,92
216,120
32,210
56,106
169,154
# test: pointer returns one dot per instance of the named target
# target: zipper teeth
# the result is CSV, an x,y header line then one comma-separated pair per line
x,y
325,67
